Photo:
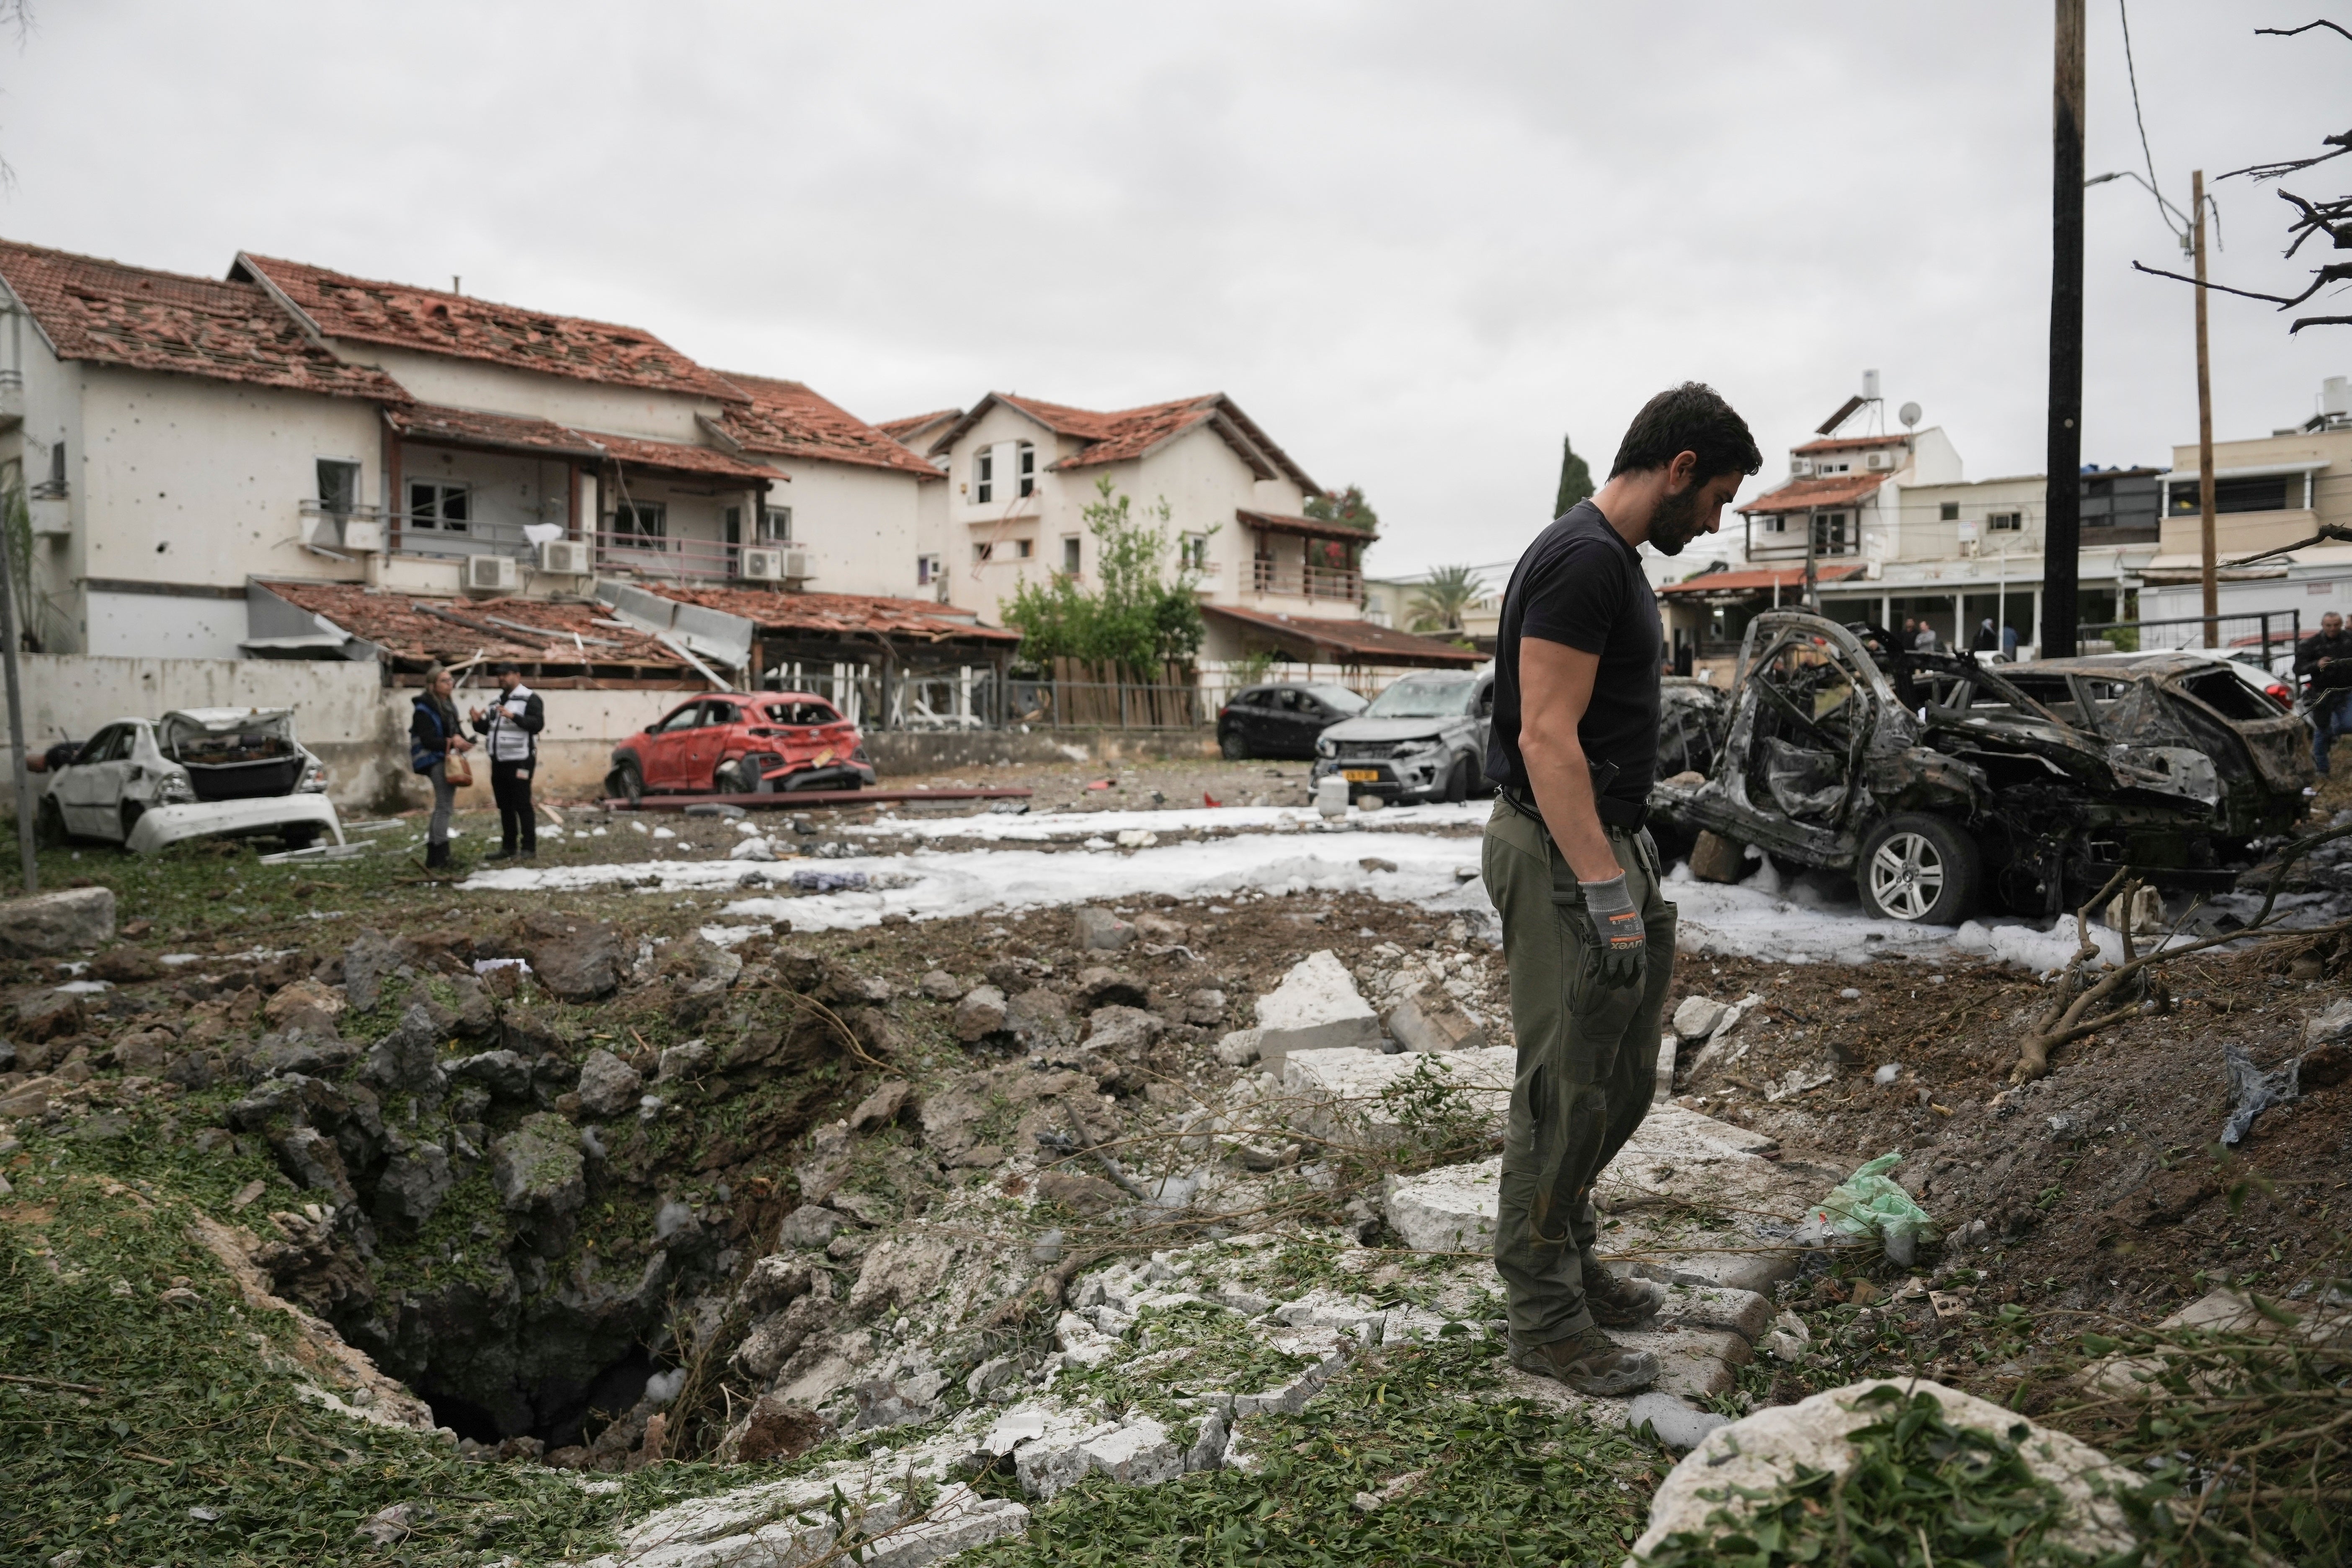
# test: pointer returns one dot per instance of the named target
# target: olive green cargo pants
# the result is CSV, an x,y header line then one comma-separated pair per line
x,y
1586,1066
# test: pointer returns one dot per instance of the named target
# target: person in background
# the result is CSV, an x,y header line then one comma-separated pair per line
x,y
1910,632
434,734
509,730
2009,642
1925,641
1984,641
2324,660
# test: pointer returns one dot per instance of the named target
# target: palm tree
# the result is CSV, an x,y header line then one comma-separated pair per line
x,y
1439,602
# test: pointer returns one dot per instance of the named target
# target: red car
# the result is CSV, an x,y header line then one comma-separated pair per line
x,y
741,743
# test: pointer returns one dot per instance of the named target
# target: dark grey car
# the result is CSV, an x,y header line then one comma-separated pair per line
x,y
1422,739
1281,721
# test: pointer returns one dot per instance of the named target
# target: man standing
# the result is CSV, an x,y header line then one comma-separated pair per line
x,y
509,734
1587,937
2324,660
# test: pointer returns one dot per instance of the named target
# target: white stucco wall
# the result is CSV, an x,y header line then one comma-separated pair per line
x,y
164,625
862,525
582,404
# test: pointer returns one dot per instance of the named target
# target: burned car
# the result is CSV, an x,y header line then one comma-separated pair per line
x,y
1940,784
197,772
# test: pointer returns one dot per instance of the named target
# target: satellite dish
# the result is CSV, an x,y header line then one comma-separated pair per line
x,y
1908,414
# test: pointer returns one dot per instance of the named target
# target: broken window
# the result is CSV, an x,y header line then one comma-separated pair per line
x,y
2229,696
1192,553
983,549
776,525
339,487
434,504
1026,468
1811,712
641,524
983,477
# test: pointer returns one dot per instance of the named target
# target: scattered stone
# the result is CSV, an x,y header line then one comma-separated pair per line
x,y
371,957
1697,1017
144,1053
1374,863
530,1033
1101,987
608,1086
2330,1026
828,1163
46,925
1099,930
941,986
311,1159
979,1014
779,1429
1239,1048
1123,1031
1316,1007
1039,1018
1678,1425
310,1005
47,1016
503,1072
578,960
881,1107
810,1225
1086,1194
413,1186
774,1283
1205,1006
1715,858
407,1060
1424,1022
125,965
689,1061
537,1170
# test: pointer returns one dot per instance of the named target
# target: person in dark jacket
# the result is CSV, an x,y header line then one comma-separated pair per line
x,y
2324,660
435,735
1985,641
509,730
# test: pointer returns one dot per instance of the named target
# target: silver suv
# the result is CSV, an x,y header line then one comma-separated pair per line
x,y
1422,739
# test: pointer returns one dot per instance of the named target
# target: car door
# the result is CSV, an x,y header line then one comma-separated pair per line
x,y
663,743
1290,731
91,791
705,743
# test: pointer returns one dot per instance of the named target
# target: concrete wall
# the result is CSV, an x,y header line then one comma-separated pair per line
x,y
905,753
861,524
582,405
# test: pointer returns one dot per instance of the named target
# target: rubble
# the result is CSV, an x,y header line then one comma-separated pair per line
x,y
1315,1008
48,925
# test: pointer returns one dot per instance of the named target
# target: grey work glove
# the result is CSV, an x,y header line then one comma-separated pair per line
x,y
1623,943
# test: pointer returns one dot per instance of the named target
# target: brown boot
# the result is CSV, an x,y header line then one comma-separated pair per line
x,y
1618,1302
1589,1362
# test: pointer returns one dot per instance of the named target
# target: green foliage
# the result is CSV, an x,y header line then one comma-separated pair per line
x,y
1348,506
1575,478
1138,617
1438,605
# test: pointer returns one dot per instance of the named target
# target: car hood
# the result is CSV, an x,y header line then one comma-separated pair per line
x,y
1391,729
181,723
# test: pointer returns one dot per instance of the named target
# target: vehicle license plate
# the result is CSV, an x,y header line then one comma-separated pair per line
x,y
1361,775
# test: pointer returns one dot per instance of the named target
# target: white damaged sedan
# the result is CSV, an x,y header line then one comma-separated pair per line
x,y
197,772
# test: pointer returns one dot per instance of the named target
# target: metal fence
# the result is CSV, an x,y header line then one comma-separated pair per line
x,y
2273,632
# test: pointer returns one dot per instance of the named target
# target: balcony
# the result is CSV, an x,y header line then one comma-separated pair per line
x,y
1305,582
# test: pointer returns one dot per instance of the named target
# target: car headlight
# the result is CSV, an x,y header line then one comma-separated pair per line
x,y
1327,748
174,788
1421,748
314,778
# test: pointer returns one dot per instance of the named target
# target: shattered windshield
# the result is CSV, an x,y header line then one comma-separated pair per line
x,y
1425,697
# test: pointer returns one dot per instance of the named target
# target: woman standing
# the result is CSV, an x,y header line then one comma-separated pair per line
x,y
434,737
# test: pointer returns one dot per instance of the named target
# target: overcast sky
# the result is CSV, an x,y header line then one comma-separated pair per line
x,y
1416,242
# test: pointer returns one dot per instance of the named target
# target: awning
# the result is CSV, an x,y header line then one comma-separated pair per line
x,y
1757,581
1311,528
1350,642
544,437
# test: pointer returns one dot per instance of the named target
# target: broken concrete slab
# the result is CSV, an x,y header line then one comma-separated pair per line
x,y
1425,1021
1099,930
1340,1090
1315,1008
980,1014
1697,1017
45,925
1677,1424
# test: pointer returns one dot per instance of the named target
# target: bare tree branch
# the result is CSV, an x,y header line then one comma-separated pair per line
x,y
2290,32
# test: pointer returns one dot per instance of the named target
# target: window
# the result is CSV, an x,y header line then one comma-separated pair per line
x,y
685,718
2005,522
985,550
339,487
1949,512
436,505
1192,553
984,476
776,525
801,713
1069,553
929,569
719,713
2266,492
1023,549
641,524
1026,464
1829,533
54,487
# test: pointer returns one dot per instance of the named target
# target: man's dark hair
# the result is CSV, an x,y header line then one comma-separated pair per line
x,y
507,666
1692,417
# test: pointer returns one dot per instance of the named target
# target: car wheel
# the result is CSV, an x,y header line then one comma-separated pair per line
x,y
735,778
49,823
1457,781
1919,870
629,784
1232,747
301,835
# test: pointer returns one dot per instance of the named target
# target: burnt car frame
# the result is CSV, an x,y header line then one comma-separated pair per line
x,y
1938,783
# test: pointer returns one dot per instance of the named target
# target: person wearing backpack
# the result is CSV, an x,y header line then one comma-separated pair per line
x,y
435,737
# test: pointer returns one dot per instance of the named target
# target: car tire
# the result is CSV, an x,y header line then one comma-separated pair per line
x,y
1919,870
1457,780
49,823
628,783
729,779
301,835
1231,747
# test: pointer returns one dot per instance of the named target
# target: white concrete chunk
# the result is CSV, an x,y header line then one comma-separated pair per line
x,y
1678,1425
1696,1017
1315,1008
1141,1454
958,1519
1448,1210
1340,1089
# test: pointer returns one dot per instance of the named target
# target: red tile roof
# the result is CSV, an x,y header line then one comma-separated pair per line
x,y
1314,528
419,630
1358,642
94,309
1803,495
470,428
1139,432
1757,579
899,429
786,420
838,613
1845,443
400,315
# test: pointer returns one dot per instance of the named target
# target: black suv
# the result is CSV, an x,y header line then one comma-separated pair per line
x,y
1281,721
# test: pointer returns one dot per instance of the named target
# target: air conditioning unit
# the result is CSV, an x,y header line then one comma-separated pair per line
x,y
363,536
760,565
489,574
1799,467
799,566
1879,460
564,557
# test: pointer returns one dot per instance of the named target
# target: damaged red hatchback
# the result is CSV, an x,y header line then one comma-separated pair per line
x,y
741,743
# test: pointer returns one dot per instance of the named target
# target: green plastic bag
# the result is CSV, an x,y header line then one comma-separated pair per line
x,y
1867,1204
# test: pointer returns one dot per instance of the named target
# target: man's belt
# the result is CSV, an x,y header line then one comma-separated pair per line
x,y
1613,812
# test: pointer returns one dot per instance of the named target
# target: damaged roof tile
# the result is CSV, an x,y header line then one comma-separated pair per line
x,y
919,618
788,420
1137,431
95,309
470,427
401,315
414,629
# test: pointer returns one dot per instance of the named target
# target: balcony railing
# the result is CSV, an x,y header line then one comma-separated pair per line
x,y
412,533
1305,582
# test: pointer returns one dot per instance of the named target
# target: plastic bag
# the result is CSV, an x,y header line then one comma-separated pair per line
x,y
1867,1204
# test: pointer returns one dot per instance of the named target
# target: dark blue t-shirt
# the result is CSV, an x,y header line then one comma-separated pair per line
x,y
1581,584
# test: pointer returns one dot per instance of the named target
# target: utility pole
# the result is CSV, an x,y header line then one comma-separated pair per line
x,y
1813,571
2205,425
2062,530
15,707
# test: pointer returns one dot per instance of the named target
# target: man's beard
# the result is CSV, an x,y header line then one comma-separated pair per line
x,y
1676,522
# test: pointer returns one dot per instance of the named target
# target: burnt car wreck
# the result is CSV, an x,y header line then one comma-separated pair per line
x,y
1943,785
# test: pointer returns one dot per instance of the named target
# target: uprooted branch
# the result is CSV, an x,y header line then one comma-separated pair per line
x,y
2088,1008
